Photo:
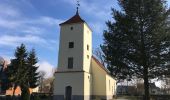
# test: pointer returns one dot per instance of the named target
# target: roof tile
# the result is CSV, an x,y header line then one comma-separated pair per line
x,y
75,19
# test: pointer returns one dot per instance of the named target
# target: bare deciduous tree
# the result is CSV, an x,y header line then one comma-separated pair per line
x,y
41,79
99,54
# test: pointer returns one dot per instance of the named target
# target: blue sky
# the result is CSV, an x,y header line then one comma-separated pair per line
x,y
36,24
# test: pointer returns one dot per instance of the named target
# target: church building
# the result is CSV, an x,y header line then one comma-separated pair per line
x,y
80,76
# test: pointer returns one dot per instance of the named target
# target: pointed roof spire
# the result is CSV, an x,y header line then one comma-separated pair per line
x,y
76,18
78,5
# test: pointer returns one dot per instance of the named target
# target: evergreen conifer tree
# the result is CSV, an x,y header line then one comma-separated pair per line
x,y
22,71
16,71
137,41
33,74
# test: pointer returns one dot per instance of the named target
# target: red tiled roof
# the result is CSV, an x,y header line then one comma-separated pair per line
x,y
95,59
75,19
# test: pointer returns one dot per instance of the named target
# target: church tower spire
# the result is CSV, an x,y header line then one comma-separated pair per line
x,y
78,5
76,18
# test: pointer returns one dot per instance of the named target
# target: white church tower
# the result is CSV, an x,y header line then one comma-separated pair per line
x,y
73,78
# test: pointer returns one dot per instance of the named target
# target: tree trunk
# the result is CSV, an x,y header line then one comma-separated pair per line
x,y
13,94
145,65
146,84
25,93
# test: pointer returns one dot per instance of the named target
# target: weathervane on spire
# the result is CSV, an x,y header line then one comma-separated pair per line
x,y
78,5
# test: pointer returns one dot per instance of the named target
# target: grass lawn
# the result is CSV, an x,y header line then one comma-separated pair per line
x,y
126,98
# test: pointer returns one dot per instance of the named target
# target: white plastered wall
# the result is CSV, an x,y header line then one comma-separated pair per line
x,y
67,35
87,54
75,80
110,87
98,80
